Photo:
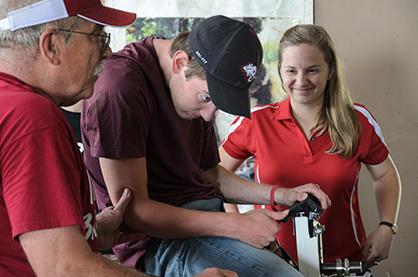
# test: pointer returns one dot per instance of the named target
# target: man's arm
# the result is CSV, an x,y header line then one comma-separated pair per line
x,y
64,252
387,189
143,214
109,230
237,190
165,221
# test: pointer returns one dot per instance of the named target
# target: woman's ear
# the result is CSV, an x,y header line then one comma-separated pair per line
x,y
331,71
179,61
50,46
280,74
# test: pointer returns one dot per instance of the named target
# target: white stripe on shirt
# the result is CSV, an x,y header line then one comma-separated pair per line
x,y
353,220
372,121
234,126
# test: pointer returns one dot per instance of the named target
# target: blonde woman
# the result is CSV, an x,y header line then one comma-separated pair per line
x,y
318,135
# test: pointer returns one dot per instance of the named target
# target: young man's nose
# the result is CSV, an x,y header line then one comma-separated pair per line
x,y
208,112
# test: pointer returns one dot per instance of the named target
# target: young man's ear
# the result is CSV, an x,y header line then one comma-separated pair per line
x,y
50,44
179,61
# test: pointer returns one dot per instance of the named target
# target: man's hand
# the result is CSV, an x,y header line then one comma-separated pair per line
x,y
216,272
300,193
257,228
109,231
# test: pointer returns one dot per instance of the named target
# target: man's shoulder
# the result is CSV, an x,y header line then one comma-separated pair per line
x,y
20,104
28,103
140,52
29,114
136,64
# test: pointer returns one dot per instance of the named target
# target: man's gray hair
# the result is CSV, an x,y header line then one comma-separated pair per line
x,y
28,38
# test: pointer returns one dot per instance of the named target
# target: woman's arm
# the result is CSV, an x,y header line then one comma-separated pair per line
x,y
387,190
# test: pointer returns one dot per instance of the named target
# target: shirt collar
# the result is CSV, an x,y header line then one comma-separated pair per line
x,y
284,112
13,80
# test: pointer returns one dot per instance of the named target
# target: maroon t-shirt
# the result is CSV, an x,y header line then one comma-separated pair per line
x,y
131,115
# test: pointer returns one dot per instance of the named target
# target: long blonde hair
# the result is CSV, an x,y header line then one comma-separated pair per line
x,y
338,115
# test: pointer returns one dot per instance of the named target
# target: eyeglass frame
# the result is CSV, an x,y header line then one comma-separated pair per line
x,y
105,41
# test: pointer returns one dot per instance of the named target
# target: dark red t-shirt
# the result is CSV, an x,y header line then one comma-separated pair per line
x,y
43,179
131,115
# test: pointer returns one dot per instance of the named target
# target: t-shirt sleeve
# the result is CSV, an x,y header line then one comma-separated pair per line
x,y
40,175
210,154
238,142
372,142
116,120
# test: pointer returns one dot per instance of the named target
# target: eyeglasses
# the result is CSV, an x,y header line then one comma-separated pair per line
x,y
105,40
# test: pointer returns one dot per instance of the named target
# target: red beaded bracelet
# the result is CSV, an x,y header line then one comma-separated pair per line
x,y
272,204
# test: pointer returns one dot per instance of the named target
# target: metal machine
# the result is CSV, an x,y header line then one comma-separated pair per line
x,y
309,243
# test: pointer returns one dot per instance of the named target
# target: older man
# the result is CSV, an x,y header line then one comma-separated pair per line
x,y
51,52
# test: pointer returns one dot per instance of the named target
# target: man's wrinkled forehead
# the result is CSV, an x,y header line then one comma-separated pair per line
x,y
98,28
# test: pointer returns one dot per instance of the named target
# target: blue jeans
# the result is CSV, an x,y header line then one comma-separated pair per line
x,y
188,257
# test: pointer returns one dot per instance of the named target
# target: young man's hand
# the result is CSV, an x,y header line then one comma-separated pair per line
x,y
300,193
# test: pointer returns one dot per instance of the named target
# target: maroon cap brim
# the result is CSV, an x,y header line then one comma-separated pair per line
x,y
109,17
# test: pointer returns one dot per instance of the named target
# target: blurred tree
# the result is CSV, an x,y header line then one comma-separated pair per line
x,y
170,27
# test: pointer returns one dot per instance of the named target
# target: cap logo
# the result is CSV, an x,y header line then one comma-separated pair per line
x,y
204,61
249,71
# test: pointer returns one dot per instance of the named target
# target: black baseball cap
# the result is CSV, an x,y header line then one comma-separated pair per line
x,y
231,54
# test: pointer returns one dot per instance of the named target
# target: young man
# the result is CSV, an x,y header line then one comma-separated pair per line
x,y
148,127
50,54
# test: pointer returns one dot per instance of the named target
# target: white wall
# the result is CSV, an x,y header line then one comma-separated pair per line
x,y
378,42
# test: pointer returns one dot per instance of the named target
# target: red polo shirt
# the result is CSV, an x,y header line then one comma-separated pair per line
x,y
284,157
